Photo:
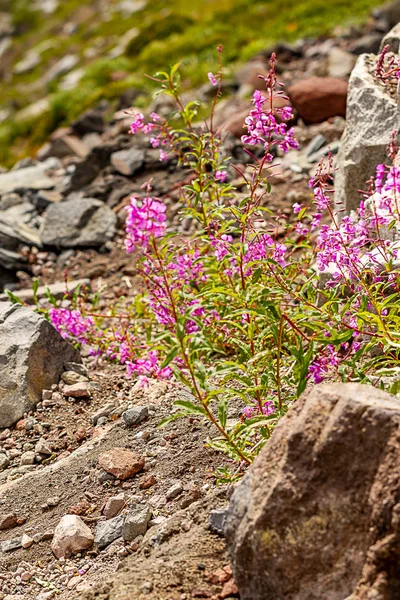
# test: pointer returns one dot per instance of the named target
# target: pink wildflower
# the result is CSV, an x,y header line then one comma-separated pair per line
x,y
144,222
212,79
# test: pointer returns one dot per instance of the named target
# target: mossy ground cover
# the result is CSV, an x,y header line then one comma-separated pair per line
x,y
167,32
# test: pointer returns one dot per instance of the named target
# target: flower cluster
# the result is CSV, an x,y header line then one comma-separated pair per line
x,y
268,408
155,128
263,127
146,220
326,361
148,367
71,324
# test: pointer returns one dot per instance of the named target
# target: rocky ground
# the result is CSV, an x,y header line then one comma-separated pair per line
x,y
144,513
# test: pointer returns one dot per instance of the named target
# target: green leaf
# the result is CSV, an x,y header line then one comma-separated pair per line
x,y
170,356
222,412
167,420
190,408
13,298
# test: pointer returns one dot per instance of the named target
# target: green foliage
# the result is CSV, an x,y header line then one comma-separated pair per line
x,y
173,31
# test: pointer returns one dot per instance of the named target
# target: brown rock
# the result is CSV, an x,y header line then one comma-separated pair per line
x,y
71,536
77,390
230,589
82,508
80,434
121,462
8,521
146,482
318,98
320,505
114,505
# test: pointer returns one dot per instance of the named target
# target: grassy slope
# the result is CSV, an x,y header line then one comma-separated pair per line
x,y
167,32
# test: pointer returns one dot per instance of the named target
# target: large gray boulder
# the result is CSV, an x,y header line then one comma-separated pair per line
x,y
32,358
317,516
80,222
371,117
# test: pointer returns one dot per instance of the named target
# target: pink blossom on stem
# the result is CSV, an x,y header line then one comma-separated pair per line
x,y
71,323
212,79
144,221
221,176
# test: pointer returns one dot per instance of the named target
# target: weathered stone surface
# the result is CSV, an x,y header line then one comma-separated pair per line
x,y
71,536
127,162
10,545
134,416
108,531
32,357
13,233
68,145
318,98
136,522
30,178
372,116
317,515
8,521
85,222
114,505
392,39
121,462
78,390
71,378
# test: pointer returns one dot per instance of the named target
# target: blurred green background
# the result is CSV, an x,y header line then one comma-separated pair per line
x,y
113,43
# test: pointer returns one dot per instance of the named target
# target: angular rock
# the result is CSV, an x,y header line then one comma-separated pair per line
x,y
317,515
114,505
372,116
136,522
103,412
4,461
174,491
13,233
134,416
84,222
8,521
26,541
68,145
318,98
27,458
217,520
121,462
91,121
127,162
392,39
32,357
71,378
30,178
77,390
108,531
10,545
76,367
71,536
43,447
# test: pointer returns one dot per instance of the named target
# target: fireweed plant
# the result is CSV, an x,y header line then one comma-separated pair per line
x,y
250,308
